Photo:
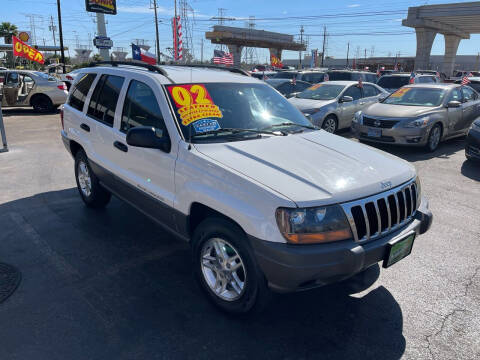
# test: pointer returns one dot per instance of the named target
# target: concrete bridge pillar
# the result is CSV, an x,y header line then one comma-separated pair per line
x,y
425,38
236,51
451,47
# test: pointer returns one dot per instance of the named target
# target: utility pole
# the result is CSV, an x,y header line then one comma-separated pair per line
x,y
156,30
201,51
52,28
324,40
62,50
348,50
300,52
365,63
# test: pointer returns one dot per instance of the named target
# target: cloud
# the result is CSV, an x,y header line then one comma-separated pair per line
x,y
353,5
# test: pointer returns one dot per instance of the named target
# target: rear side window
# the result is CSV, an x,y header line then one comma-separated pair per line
x,y
455,95
369,90
141,108
285,88
104,99
371,78
80,91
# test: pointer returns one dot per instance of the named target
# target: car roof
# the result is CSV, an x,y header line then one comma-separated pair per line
x,y
181,74
345,82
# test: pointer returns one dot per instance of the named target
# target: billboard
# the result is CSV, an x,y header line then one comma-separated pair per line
x,y
102,6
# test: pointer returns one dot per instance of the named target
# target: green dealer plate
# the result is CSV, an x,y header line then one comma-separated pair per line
x,y
399,249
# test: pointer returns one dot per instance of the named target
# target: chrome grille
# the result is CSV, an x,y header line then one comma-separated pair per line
x,y
380,123
380,214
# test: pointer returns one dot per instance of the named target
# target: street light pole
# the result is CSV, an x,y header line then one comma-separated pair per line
x,y
60,32
156,30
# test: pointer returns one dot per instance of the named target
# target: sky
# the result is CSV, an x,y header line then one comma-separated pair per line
x,y
357,22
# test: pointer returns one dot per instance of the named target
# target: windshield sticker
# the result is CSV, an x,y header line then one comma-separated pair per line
x,y
315,87
193,103
400,92
205,125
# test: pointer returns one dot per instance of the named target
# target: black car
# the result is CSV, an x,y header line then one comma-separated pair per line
x,y
472,147
287,87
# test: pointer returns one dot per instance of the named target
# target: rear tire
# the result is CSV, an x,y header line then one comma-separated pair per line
x,y
42,104
91,192
218,247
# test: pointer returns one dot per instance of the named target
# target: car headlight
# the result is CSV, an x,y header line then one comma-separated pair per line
x,y
419,190
358,118
475,126
313,225
422,122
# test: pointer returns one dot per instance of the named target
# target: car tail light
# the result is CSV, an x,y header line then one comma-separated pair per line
x,y
62,87
69,77
61,118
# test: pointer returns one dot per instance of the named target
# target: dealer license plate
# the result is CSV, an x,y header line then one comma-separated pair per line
x,y
374,133
399,249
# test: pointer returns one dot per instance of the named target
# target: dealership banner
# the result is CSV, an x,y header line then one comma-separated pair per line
x,y
23,50
102,6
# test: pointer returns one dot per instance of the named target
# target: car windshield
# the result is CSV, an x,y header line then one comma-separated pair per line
x,y
322,91
412,96
203,110
393,82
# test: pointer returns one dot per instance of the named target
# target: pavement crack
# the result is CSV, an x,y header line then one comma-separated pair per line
x,y
470,280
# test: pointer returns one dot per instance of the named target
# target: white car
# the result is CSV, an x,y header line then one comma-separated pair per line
x,y
223,161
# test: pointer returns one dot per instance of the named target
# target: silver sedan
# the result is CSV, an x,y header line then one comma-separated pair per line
x,y
333,104
32,88
421,115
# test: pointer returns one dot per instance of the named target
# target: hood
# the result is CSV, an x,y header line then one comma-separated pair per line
x,y
401,111
313,168
307,104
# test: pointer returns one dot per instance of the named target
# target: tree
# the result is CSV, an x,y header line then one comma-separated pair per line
x,y
7,30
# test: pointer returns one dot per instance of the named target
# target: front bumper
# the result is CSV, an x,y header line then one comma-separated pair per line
x,y
291,268
395,135
472,146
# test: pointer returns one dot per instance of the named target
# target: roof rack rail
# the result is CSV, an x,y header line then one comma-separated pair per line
x,y
232,70
131,63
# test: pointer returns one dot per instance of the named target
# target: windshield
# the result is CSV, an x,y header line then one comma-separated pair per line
x,y
205,108
393,82
322,91
411,96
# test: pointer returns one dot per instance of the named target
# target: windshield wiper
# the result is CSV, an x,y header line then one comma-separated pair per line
x,y
235,131
311,127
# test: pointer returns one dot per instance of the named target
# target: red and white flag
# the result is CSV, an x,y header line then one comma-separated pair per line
x,y
143,55
223,58
465,80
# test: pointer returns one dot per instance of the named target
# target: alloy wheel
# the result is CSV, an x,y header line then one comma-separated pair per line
x,y
434,138
84,179
223,269
329,125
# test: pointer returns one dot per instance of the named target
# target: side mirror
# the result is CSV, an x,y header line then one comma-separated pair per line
x,y
148,137
454,104
291,95
345,99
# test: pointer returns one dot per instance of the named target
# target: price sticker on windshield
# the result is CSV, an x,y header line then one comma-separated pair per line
x,y
315,87
400,92
193,103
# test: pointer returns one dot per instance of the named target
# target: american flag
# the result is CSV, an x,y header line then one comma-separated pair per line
x,y
221,57
465,80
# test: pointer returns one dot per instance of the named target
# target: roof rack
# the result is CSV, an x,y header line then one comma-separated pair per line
x,y
232,70
152,68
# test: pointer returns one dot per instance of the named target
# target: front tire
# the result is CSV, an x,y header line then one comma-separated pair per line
x,y
91,192
330,124
434,138
225,267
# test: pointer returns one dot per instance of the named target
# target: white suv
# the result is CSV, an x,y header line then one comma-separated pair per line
x,y
223,161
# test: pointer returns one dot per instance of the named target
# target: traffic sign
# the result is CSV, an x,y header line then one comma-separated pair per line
x,y
102,42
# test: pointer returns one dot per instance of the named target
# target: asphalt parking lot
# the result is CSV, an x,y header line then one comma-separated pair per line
x,y
111,284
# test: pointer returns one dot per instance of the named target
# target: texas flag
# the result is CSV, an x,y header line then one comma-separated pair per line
x,y
143,55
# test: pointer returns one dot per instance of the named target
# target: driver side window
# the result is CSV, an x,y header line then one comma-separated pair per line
x,y
455,95
141,108
354,91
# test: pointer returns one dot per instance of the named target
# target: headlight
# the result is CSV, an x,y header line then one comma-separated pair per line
x,y
313,225
358,118
475,126
422,122
419,190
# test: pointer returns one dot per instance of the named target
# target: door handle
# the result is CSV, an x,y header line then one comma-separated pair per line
x,y
120,146
85,127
